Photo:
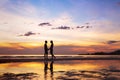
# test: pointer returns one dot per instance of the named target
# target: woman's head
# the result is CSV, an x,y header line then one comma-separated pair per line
x,y
51,41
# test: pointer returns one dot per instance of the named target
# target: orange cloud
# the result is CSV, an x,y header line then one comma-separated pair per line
x,y
21,45
96,48
37,48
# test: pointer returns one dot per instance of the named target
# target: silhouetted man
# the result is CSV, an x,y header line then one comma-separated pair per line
x,y
51,49
46,50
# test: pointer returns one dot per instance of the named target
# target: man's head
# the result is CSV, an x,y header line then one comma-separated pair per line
x,y
45,41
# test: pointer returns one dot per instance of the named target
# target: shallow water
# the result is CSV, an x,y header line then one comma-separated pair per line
x,y
58,56
61,70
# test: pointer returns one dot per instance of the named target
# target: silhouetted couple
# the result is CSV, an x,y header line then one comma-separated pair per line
x,y
47,49
46,68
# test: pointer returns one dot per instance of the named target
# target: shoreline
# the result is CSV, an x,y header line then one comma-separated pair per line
x,y
57,59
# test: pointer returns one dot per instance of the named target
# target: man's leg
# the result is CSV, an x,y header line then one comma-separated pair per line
x,y
46,55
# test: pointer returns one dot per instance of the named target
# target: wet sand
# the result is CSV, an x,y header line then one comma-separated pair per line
x,y
61,70
37,60
58,58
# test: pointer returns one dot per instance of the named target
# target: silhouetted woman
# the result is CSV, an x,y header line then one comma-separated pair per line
x,y
51,49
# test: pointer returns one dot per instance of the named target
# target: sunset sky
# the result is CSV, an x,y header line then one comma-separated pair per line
x,y
75,26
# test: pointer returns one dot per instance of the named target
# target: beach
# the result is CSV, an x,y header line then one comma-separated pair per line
x,y
61,68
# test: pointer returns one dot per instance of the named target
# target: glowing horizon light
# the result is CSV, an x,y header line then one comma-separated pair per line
x,y
25,25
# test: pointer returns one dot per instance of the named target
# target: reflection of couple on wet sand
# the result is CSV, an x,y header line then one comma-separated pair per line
x,y
46,49
46,69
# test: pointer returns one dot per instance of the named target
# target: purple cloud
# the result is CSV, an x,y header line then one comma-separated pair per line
x,y
29,34
62,27
118,3
112,42
83,27
80,26
88,26
45,24
68,28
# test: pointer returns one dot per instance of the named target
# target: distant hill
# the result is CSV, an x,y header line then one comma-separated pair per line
x,y
117,52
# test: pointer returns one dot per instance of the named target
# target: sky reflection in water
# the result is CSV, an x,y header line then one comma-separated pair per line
x,y
62,70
